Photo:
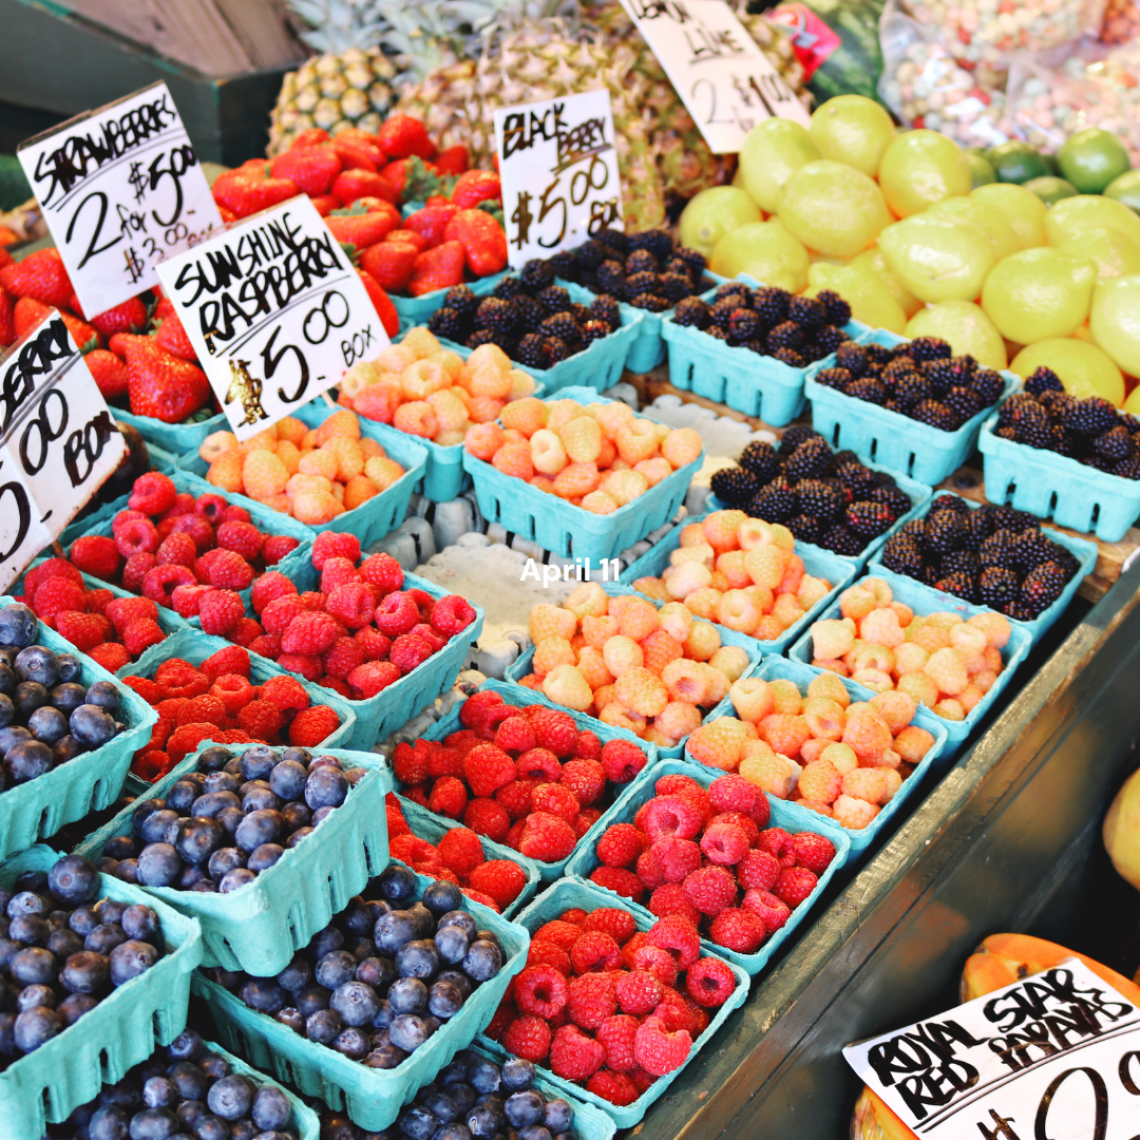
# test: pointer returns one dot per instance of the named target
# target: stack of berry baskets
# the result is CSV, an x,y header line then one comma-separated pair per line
x,y
967,549
931,430
469,768
764,339
45,788
121,1030
724,742
648,962
262,895
678,865
409,638
1011,640
616,510
470,964
1074,461
641,689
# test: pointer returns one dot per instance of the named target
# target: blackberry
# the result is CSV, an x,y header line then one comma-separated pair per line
x,y
898,368
657,242
807,312
988,384
1128,468
837,309
531,351
1006,518
911,390
616,239
961,585
878,354
998,587
944,374
675,287
641,261
554,299
965,401
756,346
1098,463
852,356
677,265
805,528
739,294
605,308
1018,406
528,314
916,529
589,255
507,288
841,540
829,338
1043,380
1043,585
742,325
561,325
870,389
554,350
810,460
638,283
837,378
870,519
761,459
496,314
1036,433
794,436
717,333
819,499
611,278
462,300
1031,548
790,357
594,330
937,415
998,550
902,555
979,527
612,253
694,260
449,323
1006,433
721,313
945,531
960,561
650,302
1130,422
925,348
692,312
562,263
895,500
505,340
580,313
773,504
859,480
1093,416
477,339
735,486
784,335
538,273
771,304
947,502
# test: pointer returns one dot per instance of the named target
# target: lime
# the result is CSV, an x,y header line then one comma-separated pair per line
x,y
867,294
1083,368
766,251
982,172
873,261
713,213
770,154
833,208
1091,159
852,129
1024,211
1016,161
1050,188
1039,293
1115,321
964,326
920,168
938,259
1125,188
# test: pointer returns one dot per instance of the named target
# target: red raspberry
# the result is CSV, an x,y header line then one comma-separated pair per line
x,y
267,645
234,513
286,693
620,881
674,859
136,536
622,760
56,594
813,851
461,850
50,568
503,1016
648,869
676,1012
547,954
242,538
452,614
538,764
620,846
710,982
309,634
234,691
678,936
269,586
553,730
179,550
710,890
187,600
737,819
183,505
595,952
279,613
546,838
428,635
516,735
618,1033
308,667
409,763
186,738
152,765
83,630
776,841
592,998
261,720
397,824
230,659
329,544
211,507
585,819
384,571
351,603
738,929
97,555
487,817
396,614
205,709
502,880
146,688
556,800
486,769
586,779
342,657
616,1088
560,932
670,899
340,687
732,793
141,634
618,924
336,572
409,652
758,870
276,547
658,1051
153,493
371,678
375,645
542,991
219,611
229,570
671,815
424,602
181,678
527,1037
724,843
479,897
99,600
448,797
246,632
589,747
136,570
515,797
472,709
638,993
111,655
312,726
574,1055
794,885
196,528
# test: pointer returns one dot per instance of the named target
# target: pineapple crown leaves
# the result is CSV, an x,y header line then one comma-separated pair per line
x,y
493,207
337,25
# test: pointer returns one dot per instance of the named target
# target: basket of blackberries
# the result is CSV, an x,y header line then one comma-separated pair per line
x,y
911,405
991,556
68,731
245,840
826,499
561,334
1072,460
379,1001
748,345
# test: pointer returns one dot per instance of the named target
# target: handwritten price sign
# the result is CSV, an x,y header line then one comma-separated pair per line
x,y
559,173
58,443
119,188
1055,1056
275,312
724,79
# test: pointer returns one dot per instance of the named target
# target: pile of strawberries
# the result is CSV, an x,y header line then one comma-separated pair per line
x,y
458,857
217,701
694,850
358,634
608,1006
526,777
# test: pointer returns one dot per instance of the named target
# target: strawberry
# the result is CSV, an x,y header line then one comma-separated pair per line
x,y
476,186
483,240
390,263
120,341
363,229
161,385
312,169
437,200
130,316
41,276
382,303
353,184
82,333
314,136
172,338
5,257
164,309
325,204
438,268
408,237
28,313
245,191
452,161
7,319
355,155
431,222
226,214
110,373
401,136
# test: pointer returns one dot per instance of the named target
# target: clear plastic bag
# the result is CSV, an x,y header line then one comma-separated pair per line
x,y
1121,21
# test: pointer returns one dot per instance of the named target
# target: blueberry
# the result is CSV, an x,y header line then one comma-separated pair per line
x,y
408,995
186,1046
257,762
7,708
517,1074
409,1031
213,1066
189,1113
266,995
442,897
234,880
121,847
453,1132
30,929
31,996
297,974
45,724
198,838
490,936
394,929
483,961
258,796
230,818
442,1107
65,749
230,1098
63,943
233,767
453,1074
297,836
416,1122
352,1043
320,815
296,816
131,960
257,828
191,1080
451,944
74,1006
73,880
180,795
396,884
38,663
292,1017
325,787
417,959
109,1122
160,1092
83,920
92,726
104,938
214,758
326,941
263,857
425,920
104,695
36,1027
534,1132
297,755
484,1077
70,667
11,736
67,697
28,697
287,779
385,1057
33,966
325,760
140,922
212,1128
18,625
8,1047
445,1000
159,865
523,1108
28,760
222,782
150,823
379,973
356,1002
85,972
463,920
244,1130
324,1026
482,1121
311,999
27,902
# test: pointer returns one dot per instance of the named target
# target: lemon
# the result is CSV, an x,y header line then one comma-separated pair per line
x,y
713,213
964,326
766,251
971,211
1115,254
920,168
1039,293
770,154
1091,159
852,129
1132,404
873,261
1016,161
833,208
1083,368
1086,210
938,259
1024,211
867,294
1049,188
1115,321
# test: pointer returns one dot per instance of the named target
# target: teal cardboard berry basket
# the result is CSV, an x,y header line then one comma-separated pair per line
x,y
418,310
120,1032
925,600
572,894
371,1097
175,439
261,926
585,860
91,782
561,527
1053,486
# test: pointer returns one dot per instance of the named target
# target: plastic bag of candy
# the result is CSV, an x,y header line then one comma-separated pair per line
x,y
1121,21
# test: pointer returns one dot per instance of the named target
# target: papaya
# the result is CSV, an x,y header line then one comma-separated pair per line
x,y
1121,831
1001,960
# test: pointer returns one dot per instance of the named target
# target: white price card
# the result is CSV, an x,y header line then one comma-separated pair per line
x,y
58,443
726,82
119,188
275,312
559,173
1055,1056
